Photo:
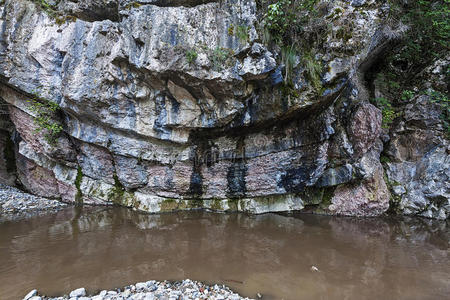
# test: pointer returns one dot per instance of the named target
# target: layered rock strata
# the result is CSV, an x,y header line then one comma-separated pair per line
x,y
164,108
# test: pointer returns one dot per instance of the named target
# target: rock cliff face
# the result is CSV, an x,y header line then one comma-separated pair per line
x,y
164,106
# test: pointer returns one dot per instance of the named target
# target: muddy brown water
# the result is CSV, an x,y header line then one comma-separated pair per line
x,y
269,254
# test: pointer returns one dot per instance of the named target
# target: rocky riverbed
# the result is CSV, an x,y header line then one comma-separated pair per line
x,y
186,289
16,203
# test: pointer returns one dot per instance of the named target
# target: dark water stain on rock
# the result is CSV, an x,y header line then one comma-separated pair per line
x,y
237,172
196,180
196,184
295,179
236,179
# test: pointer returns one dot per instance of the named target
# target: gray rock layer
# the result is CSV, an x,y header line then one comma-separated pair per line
x,y
163,108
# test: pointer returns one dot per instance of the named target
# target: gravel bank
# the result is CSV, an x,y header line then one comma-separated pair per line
x,y
186,289
14,202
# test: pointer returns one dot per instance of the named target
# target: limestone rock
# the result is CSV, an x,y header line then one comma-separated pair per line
x,y
164,106
365,127
420,170
369,198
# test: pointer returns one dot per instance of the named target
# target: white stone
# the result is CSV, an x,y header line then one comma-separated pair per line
x,y
141,285
30,294
78,292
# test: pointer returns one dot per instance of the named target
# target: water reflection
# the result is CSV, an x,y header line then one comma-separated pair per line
x,y
271,254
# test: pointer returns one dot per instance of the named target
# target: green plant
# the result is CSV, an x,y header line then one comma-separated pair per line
x,y
278,19
428,35
47,7
45,118
52,11
288,58
241,33
133,5
285,19
313,70
288,24
219,58
407,95
426,40
231,30
384,159
444,102
191,56
387,111
60,20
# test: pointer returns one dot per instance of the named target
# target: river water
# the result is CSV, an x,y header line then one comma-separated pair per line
x,y
103,248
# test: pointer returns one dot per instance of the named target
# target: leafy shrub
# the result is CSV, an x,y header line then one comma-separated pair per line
x,y
426,41
407,95
387,111
278,19
429,31
284,20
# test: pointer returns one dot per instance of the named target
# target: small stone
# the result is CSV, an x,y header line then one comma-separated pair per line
x,y
126,293
78,292
141,285
30,294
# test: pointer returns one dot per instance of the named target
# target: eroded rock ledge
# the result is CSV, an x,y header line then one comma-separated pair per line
x,y
149,125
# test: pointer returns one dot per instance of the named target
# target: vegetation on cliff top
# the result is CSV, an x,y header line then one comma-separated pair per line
x,y
403,71
284,24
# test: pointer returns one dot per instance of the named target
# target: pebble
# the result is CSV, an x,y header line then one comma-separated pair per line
x,y
141,285
314,269
155,290
78,293
30,294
